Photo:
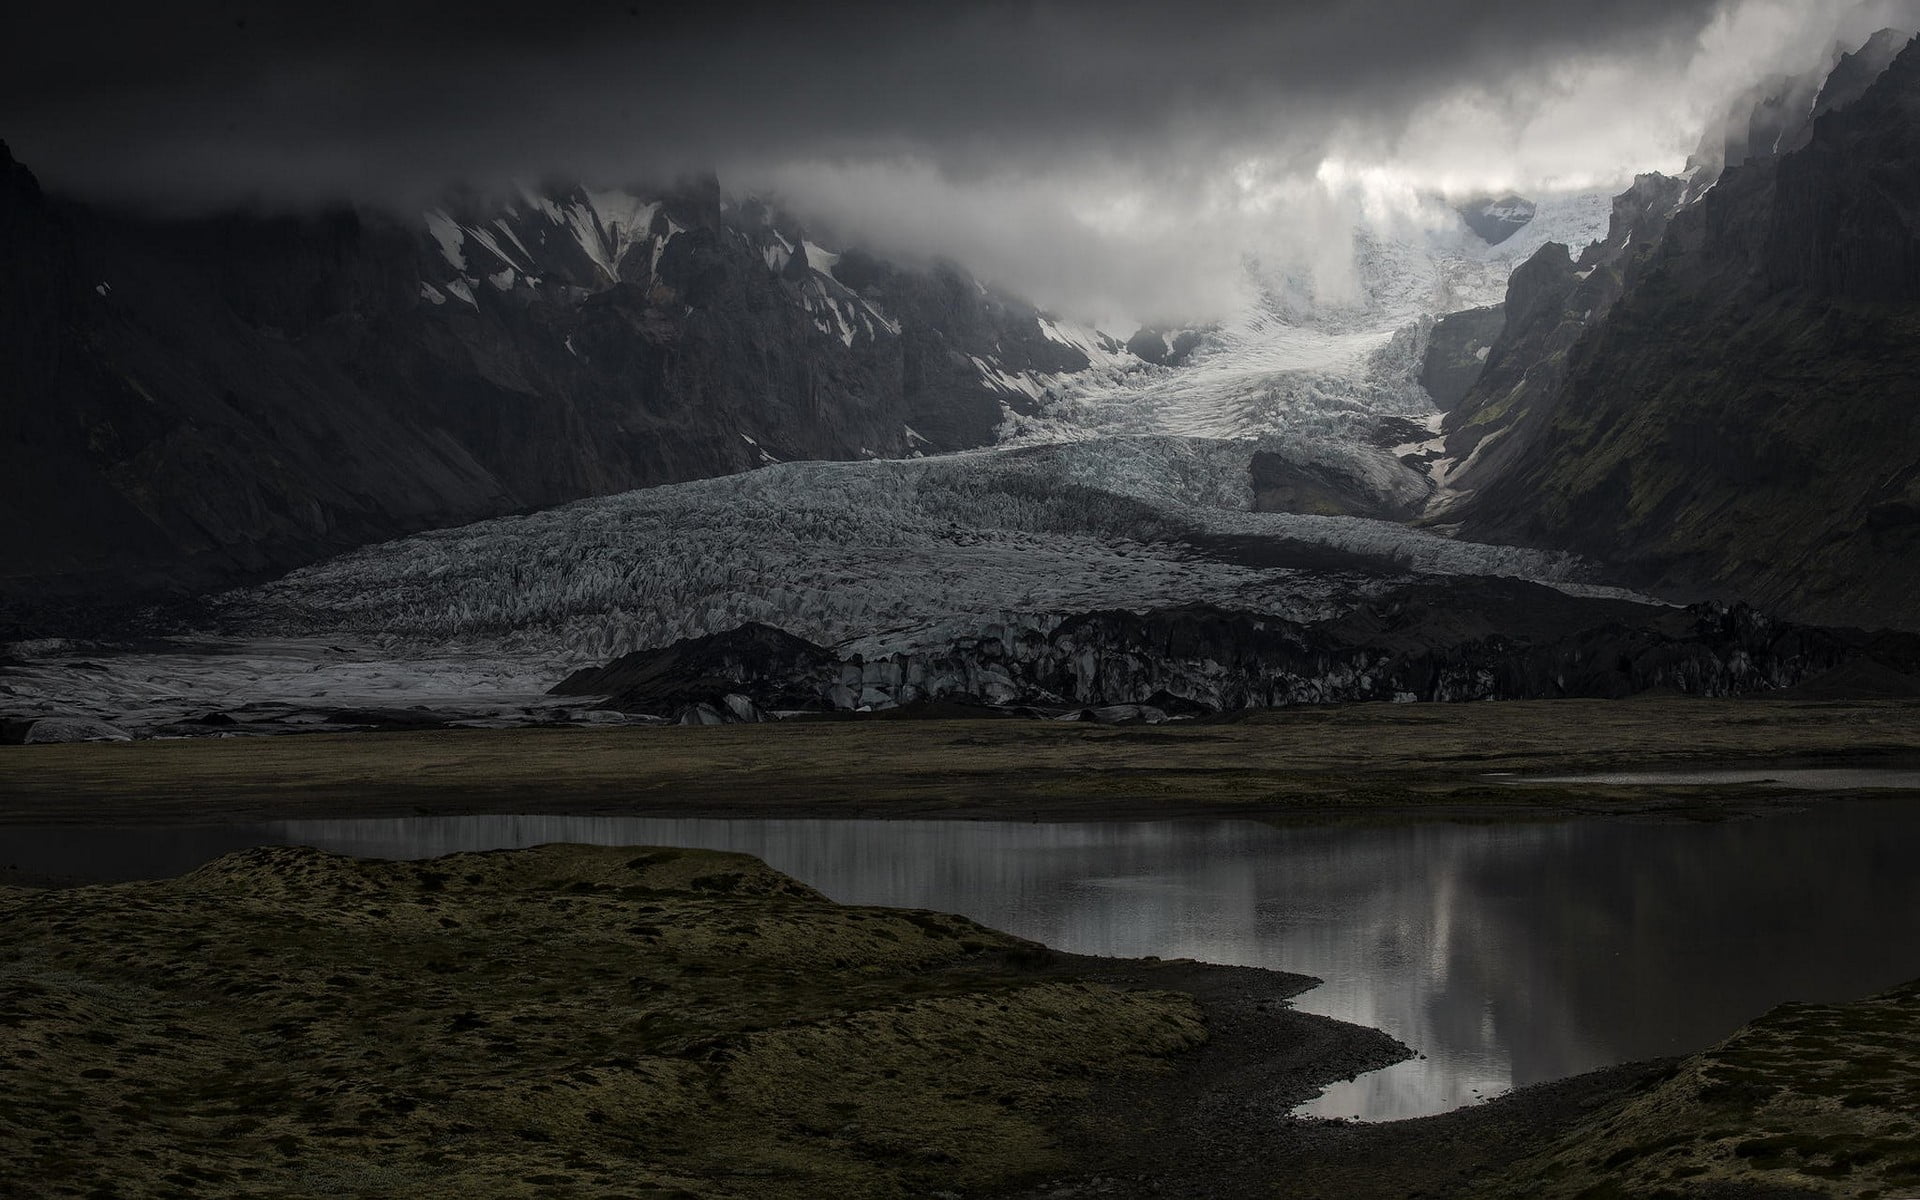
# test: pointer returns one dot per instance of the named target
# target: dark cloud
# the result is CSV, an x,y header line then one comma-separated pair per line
x,y
202,100
1109,157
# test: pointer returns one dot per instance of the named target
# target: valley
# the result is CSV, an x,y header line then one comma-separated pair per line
x,y
590,677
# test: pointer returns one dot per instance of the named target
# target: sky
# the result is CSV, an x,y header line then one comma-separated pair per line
x,y
1107,158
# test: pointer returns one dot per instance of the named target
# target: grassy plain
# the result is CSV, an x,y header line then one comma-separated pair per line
x,y
1357,762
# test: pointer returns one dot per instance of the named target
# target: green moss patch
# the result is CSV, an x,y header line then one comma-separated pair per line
x,y
1811,1098
558,1021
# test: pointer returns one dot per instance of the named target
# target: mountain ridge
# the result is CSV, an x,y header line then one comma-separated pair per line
x,y
1789,273
198,402
1741,419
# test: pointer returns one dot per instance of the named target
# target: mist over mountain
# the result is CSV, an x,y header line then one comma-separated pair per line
x,y
1720,398
1106,161
1398,386
1403,514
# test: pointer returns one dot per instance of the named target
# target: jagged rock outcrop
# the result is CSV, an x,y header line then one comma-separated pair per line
x,y
1553,300
1483,639
1743,421
190,402
1458,347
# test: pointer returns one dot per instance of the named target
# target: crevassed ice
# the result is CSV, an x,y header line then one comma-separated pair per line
x,y
1097,502
894,553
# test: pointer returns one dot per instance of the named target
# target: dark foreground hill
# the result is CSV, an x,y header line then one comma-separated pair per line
x,y
606,1021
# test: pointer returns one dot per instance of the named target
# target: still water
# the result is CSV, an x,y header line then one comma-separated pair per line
x,y
1506,955
1801,778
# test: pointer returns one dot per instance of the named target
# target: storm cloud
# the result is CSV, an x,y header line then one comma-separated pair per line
x,y
1111,158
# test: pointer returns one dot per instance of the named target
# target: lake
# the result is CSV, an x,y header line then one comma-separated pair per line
x,y
1505,954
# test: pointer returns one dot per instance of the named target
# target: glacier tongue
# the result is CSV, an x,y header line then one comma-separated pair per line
x,y
1127,485
892,552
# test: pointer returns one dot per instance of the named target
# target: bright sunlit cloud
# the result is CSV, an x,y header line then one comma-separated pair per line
x,y
1114,159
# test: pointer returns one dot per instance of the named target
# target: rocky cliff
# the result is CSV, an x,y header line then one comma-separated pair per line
x,y
1458,347
1741,419
1502,406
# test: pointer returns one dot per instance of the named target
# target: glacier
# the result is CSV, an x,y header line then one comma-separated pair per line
x,y
1125,485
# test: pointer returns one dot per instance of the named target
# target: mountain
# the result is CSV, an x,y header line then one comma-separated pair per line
x,y
1498,407
191,402
1723,402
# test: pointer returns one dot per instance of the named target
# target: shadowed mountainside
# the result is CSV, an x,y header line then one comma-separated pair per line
x,y
189,402
1743,419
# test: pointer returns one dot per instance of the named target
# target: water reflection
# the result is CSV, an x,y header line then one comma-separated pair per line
x,y
1819,779
1506,954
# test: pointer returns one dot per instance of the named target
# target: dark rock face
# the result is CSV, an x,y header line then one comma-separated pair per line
x,y
1481,639
792,672
1849,80
1165,347
1497,218
1302,485
1457,352
1846,208
1553,301
193,402
1743,420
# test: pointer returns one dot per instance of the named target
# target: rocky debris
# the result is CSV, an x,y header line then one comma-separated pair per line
x,y
37,730
1857,680
1485,639
1117,714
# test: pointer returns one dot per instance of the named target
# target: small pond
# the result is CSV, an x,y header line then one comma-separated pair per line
x,y
1505,954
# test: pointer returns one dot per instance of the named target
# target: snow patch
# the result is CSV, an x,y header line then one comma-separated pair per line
x,y
451,237
1102,350
820,259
